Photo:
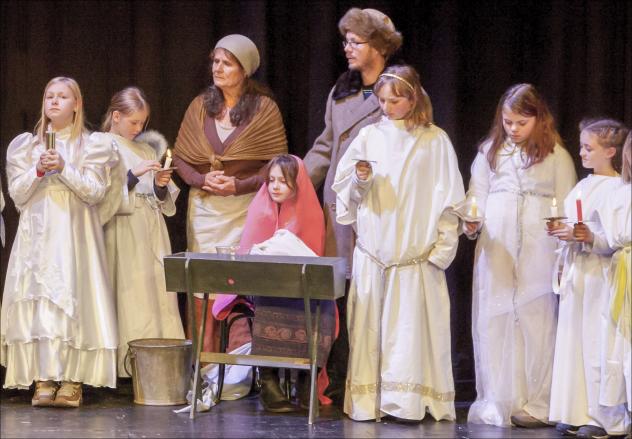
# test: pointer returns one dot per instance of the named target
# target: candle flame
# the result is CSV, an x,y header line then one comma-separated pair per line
x,y
554,202
473,200
168,153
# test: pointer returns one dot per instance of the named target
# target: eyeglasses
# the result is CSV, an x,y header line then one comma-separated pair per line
x,y
353,44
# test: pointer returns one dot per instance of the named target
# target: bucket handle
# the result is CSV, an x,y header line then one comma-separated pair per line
x,y
129,355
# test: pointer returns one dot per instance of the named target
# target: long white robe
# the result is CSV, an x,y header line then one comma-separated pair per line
x,y
58,313
137,240
577,364
615,215
514,310
398,307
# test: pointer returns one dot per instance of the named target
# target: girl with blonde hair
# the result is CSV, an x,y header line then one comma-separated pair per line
x,y
398,184
136,237
580,363
58,319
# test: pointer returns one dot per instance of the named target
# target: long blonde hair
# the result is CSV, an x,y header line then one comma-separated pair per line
x,y
78,127
126,101
404,82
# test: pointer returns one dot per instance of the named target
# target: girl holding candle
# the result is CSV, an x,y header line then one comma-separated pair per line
x,y
58,318
520,169
399,311
136,237
586,257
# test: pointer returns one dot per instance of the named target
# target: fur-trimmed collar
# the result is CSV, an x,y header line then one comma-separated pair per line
x,y
154,139
350,82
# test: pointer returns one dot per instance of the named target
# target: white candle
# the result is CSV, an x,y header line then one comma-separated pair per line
x,y
167,160
554,213
473,208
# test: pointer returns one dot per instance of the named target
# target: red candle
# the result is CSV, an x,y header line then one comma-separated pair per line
x,y
578,203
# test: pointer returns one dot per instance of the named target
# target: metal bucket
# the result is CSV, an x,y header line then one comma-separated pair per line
x,y
161,370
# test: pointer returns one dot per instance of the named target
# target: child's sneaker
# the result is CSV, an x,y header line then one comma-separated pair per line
x,y
69,395
44,395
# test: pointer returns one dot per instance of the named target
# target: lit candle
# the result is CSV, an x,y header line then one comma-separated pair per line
x,y
167,160
473,208
50,139
578,203
554,213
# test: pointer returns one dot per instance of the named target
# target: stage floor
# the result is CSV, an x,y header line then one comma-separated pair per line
x,y
112,413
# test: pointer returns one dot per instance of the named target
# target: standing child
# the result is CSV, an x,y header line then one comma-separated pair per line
x,y
136,237
616,359
58,318
577,367
520,171
397,183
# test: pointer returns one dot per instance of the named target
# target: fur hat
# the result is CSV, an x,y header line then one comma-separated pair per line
x,y
374,26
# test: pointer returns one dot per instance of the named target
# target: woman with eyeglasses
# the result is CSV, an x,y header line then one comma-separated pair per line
x,y
369,41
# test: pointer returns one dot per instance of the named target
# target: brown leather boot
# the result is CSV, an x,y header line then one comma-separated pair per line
x,y
271,396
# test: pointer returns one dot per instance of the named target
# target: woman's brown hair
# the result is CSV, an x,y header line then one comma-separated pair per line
x,y
246,108
524,99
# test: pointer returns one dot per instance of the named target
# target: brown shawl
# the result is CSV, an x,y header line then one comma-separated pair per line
x,y
261,139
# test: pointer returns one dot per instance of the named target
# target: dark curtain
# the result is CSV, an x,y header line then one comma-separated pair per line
x,y
578,53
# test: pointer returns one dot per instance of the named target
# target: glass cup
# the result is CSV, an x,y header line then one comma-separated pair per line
x,y
227,250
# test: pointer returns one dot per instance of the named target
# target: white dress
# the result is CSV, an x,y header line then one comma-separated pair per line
x,y
398,307
577,366
615,215
58,313
137,241
514,310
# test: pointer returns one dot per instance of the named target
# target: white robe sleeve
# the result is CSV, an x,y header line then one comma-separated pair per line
x,y
89,179
450,187
22,168
116,194
479,186
349,189
168,205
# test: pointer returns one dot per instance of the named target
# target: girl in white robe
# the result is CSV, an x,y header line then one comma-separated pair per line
x,y
58,319
520,169
136,237
397,184
616,359
577,366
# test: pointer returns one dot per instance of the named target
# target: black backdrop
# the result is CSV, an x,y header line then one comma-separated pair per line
x,y
578,53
